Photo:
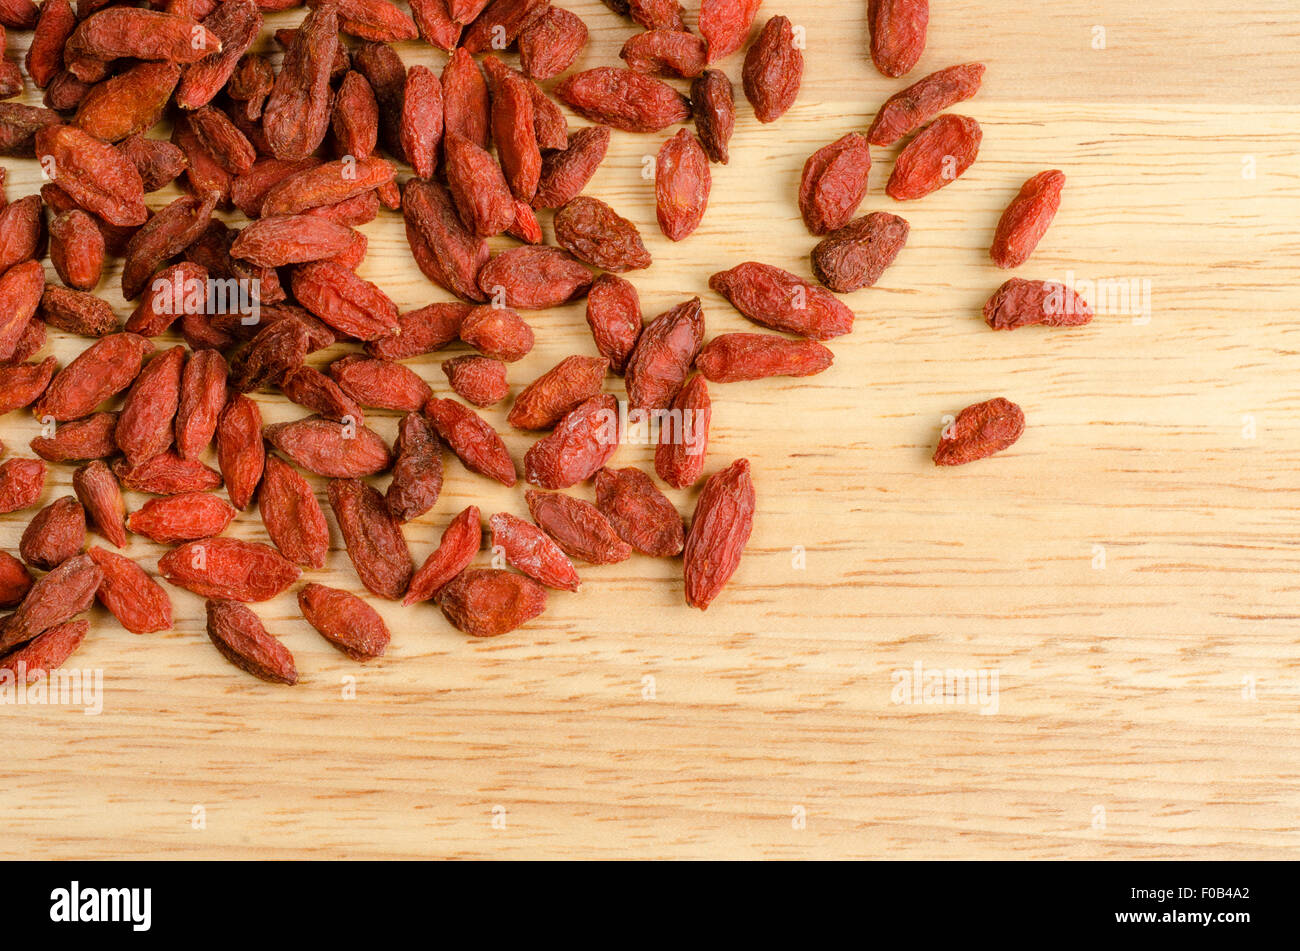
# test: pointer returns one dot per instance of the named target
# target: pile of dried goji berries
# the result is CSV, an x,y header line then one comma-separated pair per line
x,y
297,152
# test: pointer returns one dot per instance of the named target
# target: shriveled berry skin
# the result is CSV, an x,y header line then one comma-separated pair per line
x,y
146,425
182,518
514,130
938,156
641,514
382,384
55,534
90,437
898,29
500,21
684,437
422,331
720,529
664,356
632,102
485,602
101,497
578,527
745,356
473,441
48,651
726,25
291,515
239,636
297,113
240,451
1023,303
467,109
446,251
834,182
15,580
461,541
1027,219
773,70
373,538
76,249
779,300
103,370
563,388
228,568
583,442
167,474
138,602
593,232
980,431
565,172
682,185
857,255
906,111
656,14
477,379
551,42
344,620
55,597
202,396
22,383
534,278
666,53
614,316
417,473
527,548
497,332
21,482
478,187
713,104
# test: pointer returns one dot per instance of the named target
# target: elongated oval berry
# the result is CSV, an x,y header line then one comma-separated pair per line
x,y
238,634
485,602
641,514
1022,303
46,652
90,437
56,597
857,255
182,518
1027,219
614,316
550,43
773,70
720,529
328,448
417,473
472,439
477,379
344,620
682,185
55,534
684,435
566,172
897,33
293,518
461,541
527,548
744,356
373,538
21,482
834,183
938,156
146,425
167,474
139,603
564,387
906,111
101,497
593,232
779,300
534,278
240,450
578,527
980,431
228,568
579,446
497,332
632,102
103,370
203,396
726,25
714,107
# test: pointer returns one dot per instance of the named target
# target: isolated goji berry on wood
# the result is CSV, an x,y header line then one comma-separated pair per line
x,y
382,384
167,474
834,183
55,534
486,602
534,278
726,24
1022,303
328,448
477,379
779,300
593,232
720,529
1027,219
478,187
292,516
578,527
21,482
347,303
139,603
566,172
908,110
665,53
344,620
684,435
91,437
614,316
938,156
467,108
240,451
76,249
422,331
444,249
297,113
228,568
461,541
980,431
500,24
104,369
146,425
527,548
417,472
734,357
101,497
97,176
583,442
421,128
857,255
473,441
77,312
22,383
632,102
773,70
897,30
373,538
497,332
714,108
664,355
55,598
557,392
551,42
182,518
239,636
640,514
682,185
15,580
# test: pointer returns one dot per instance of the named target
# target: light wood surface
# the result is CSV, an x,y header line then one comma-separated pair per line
x,y
1127,569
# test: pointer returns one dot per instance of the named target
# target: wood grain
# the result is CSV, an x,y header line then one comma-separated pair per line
x,y
1128,568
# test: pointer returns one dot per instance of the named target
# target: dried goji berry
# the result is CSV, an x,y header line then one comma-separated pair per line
x,y
477,379
578,527
467,108
980,431
834,183
632,102
328,448
337,296
684,435
473,441
614,316
238,634
417,471
164,236
21,231
292,516
720,529
373,538
666,53
421,128
485,602
897,33
461,540
938,156
657,14
278,348
551,42
77,312
565,172
779,300
344,620
714,108
103,370
682,185
55,534
76,249
478,187
1027,219
146,424
1022,303
240,451
444,249
297,113
664,355
558,391
53,27
159,162
773,70
355,116
422,331
745,356
98,177
906,111
15,580
593,232
641,514
515,133
91,437
726,24
182,518
534,278
380,383
47,652
129,103
325,184
500,24
22,383
228,568
202,396
139,603
167,474
101,497
21,289
56,597
856,255
583,442
21,482
308,387
296,239
236,23
527,548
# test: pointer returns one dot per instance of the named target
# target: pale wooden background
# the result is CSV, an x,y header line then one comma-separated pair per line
x,y
1126,725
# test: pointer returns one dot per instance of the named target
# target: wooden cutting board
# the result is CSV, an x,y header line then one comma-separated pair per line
x,y
1127,570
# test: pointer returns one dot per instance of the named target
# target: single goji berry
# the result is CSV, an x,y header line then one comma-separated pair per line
x,y
834,183
139,603
664,355
720,529
897,30
182,518
558,391
101,497
472,439
527,548
239,636
578,527
477,379
344,620
329,448
938,156
980,431
682,185
1022,303
583,442
593,232
714,107
1027,219
292,516
485,602
417,471
906,111
461,540
856,255
641,514
55,534
632,102
684,435
373,538
779,300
